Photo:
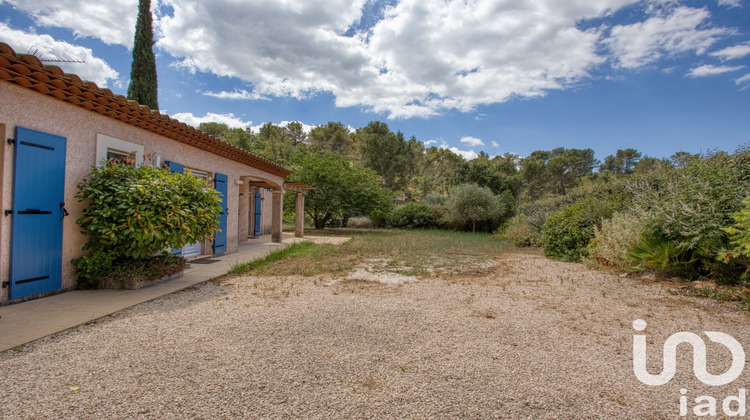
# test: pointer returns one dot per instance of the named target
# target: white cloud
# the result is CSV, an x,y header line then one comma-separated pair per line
x,y
430,142
94,69
305,127
291,48
711,70
732,53
730,3
743,79
111,21
666,34
230,119
236,95
494,144
424,57
472,141
466,154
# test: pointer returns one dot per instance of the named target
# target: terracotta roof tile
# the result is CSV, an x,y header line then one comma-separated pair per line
x,y
28,72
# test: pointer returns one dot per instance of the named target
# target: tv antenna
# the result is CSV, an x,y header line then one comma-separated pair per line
x,y
41,58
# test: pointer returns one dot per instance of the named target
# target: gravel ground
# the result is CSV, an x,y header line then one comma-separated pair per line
x,y
531,339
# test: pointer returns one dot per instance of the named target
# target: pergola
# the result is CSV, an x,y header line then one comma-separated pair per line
x,y
277,204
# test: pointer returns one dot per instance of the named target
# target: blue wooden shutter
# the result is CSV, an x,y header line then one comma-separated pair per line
x,y
256,227
220,241
175,167
38,211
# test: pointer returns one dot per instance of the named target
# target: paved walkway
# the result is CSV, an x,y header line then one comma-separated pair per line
x,y
27,321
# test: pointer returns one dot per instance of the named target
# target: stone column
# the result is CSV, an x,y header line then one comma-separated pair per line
x,y
299,216
277,210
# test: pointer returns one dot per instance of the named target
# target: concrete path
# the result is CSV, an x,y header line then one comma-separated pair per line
x,y
28,321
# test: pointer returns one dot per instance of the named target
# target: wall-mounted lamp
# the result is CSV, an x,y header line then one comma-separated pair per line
x,y
238,182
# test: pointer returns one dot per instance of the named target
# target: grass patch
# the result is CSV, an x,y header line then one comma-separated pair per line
x,y
418,251
739,294
292,251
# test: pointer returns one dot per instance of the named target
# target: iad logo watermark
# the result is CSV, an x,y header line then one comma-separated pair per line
x,y
705,404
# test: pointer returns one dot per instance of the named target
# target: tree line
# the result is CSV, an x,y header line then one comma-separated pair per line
x,y
408,169
686,215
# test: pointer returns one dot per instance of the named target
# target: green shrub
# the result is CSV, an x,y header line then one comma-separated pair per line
x,y
739,233
137,212
737,253
412,215
91,268
380,216
128,272
567,232
692,206
664,256
134,214
521,233
542,208
614,239
103,269
435,200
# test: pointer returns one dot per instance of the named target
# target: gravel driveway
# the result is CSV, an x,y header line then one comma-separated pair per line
x,y
531,339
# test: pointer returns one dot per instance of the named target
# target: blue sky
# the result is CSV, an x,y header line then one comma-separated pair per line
x,y
499,76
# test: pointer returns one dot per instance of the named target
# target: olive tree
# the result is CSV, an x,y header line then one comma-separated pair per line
x,y
472,203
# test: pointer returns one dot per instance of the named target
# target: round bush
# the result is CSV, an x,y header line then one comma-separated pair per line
x,y
134,214
412,215
566,233
137,212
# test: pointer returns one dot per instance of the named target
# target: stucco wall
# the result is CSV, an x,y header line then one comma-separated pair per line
x,y
25,108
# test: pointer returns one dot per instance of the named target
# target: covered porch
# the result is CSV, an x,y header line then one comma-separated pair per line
x,y
254,188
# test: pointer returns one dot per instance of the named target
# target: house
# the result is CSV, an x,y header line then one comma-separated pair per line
x,y
58,126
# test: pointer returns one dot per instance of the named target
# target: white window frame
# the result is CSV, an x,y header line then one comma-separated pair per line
x,y
106,143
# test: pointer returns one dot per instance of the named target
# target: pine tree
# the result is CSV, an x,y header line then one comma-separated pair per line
x,y
143,85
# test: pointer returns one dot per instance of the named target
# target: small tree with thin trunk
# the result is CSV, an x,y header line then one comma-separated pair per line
x,y
341,188
143,85
472,203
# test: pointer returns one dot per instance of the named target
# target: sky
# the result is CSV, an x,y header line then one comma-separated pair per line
x,y
515,76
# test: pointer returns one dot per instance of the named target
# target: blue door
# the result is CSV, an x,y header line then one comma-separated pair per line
x,y
220,241
256,225
175,167
38,211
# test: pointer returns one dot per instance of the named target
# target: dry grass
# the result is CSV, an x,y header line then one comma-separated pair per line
x,y
409,253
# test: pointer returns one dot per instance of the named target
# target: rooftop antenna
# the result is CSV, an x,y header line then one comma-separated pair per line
x,y
41,58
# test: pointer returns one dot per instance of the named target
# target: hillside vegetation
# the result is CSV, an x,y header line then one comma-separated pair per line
x,y
686,216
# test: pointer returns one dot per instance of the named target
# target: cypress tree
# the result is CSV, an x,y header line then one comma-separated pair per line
x,y
143,85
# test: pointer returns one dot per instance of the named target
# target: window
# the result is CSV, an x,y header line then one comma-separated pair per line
x,y
111,148
119,156
198,173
